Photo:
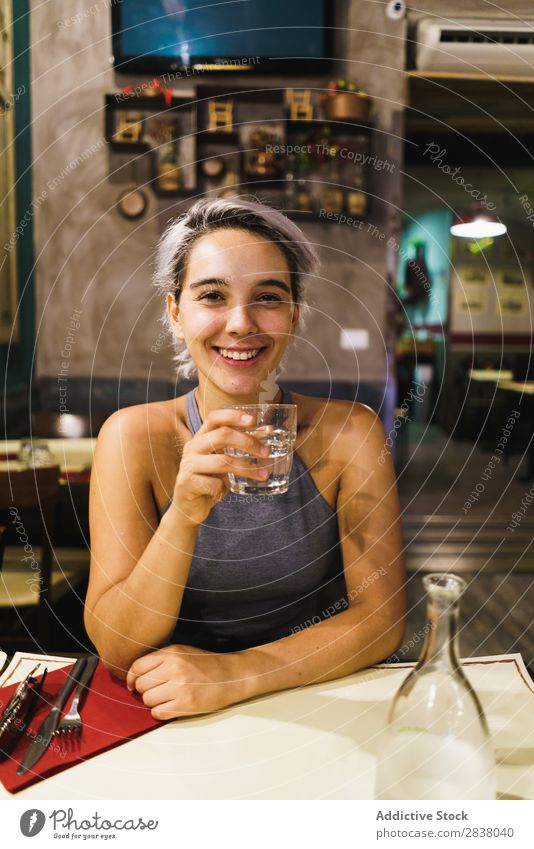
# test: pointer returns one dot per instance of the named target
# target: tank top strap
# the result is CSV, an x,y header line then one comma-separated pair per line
x,y
193,413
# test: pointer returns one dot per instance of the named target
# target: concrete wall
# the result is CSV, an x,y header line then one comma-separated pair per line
x,y
88,258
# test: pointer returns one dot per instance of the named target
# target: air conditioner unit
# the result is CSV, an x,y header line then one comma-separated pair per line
x,y
475,46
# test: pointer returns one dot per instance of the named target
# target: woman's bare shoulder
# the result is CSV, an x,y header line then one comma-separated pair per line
x,y
156,419
145,441
146,434
333,413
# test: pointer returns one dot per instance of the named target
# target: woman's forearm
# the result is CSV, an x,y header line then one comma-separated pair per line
x,y
140,613
341,645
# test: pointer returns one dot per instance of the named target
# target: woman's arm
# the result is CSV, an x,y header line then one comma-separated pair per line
x,y
179,680
371,541
139,569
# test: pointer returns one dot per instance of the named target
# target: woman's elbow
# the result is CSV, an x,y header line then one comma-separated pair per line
x,y
117,671
111,660
393,632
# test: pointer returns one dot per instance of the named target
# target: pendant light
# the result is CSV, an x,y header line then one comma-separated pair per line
x,y
478,224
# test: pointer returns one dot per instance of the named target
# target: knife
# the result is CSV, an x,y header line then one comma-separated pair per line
x,y
85,678
42,739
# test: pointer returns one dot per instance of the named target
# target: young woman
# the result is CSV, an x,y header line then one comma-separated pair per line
x,y
200,598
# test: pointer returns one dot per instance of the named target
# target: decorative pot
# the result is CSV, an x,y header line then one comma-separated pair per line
x,y
347,106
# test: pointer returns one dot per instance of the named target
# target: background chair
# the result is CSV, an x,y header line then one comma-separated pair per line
x,y
29,585
48,425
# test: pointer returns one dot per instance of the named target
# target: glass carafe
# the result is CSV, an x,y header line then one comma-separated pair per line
x,y
436,744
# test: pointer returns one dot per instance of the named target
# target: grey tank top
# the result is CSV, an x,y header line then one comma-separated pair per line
x,y
263,567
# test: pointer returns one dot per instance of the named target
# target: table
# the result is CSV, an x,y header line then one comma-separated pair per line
x,y
486,375
525,389
317,742
72,455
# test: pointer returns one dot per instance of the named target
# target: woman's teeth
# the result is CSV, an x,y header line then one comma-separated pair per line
x,y
238,355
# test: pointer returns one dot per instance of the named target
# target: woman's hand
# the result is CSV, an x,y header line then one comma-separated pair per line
x,y
184,681
202,478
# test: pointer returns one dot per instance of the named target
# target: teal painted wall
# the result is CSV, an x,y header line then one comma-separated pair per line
x,y
431,227
16,362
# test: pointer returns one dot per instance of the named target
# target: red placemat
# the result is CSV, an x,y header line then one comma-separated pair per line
x,y
111,715
83,476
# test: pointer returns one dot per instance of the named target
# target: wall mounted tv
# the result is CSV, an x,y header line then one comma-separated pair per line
x,y
244,36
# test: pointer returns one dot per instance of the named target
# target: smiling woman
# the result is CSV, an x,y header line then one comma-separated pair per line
x,y
198,599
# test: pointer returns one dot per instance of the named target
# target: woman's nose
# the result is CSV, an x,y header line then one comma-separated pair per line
x,y
240,319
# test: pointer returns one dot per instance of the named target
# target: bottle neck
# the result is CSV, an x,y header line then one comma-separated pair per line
x,y
441,645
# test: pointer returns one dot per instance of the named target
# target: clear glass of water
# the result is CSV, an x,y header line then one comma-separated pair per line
x,y
274,425
35,453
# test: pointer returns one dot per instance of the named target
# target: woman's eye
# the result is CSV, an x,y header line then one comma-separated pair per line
x,y
270,299
216,297
210,296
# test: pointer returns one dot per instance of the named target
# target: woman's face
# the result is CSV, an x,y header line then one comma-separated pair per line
x,y
235,312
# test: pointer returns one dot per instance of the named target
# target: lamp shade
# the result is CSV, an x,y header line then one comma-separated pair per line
x,y
478,223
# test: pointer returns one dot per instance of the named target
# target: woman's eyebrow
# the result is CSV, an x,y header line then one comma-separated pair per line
x,y
217,281
209,281
279,284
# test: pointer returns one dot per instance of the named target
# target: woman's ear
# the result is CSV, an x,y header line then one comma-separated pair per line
x,y
173,311
295,317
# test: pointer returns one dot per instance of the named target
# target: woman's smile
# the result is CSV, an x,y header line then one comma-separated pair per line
x,y
240,357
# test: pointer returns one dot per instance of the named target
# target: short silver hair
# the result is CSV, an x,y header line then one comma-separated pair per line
x,y
207,215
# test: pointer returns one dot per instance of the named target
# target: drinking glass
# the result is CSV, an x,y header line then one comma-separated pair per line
x,y
35,453
275,425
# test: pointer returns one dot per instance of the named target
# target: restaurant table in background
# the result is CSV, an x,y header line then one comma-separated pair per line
x,y
475,420
70,536
317,742
524,392
74,457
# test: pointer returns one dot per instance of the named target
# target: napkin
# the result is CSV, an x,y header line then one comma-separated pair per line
x,y
111,716
78,476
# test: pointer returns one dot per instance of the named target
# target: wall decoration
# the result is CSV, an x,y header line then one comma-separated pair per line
x,y
258,141
474,275
226,141
220,116
167,131
300,104
512,277
513,303
472,299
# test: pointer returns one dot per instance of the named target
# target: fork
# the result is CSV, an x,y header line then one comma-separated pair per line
x,y
71,724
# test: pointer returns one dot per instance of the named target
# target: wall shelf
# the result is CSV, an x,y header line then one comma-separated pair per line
x,y
305,166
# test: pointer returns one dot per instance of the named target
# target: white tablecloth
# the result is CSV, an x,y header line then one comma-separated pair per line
x,y
317,742
72,455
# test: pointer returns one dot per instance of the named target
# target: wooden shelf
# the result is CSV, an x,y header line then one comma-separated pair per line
x,y
191,117
449,75
218,137
444,102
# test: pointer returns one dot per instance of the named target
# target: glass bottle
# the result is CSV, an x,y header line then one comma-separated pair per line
x,y
436,744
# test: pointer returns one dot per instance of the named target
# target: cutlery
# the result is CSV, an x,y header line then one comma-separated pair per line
x,y
19,711
42,739
71,723
4,662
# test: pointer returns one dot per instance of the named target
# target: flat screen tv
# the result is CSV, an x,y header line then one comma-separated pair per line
x,y
244,36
